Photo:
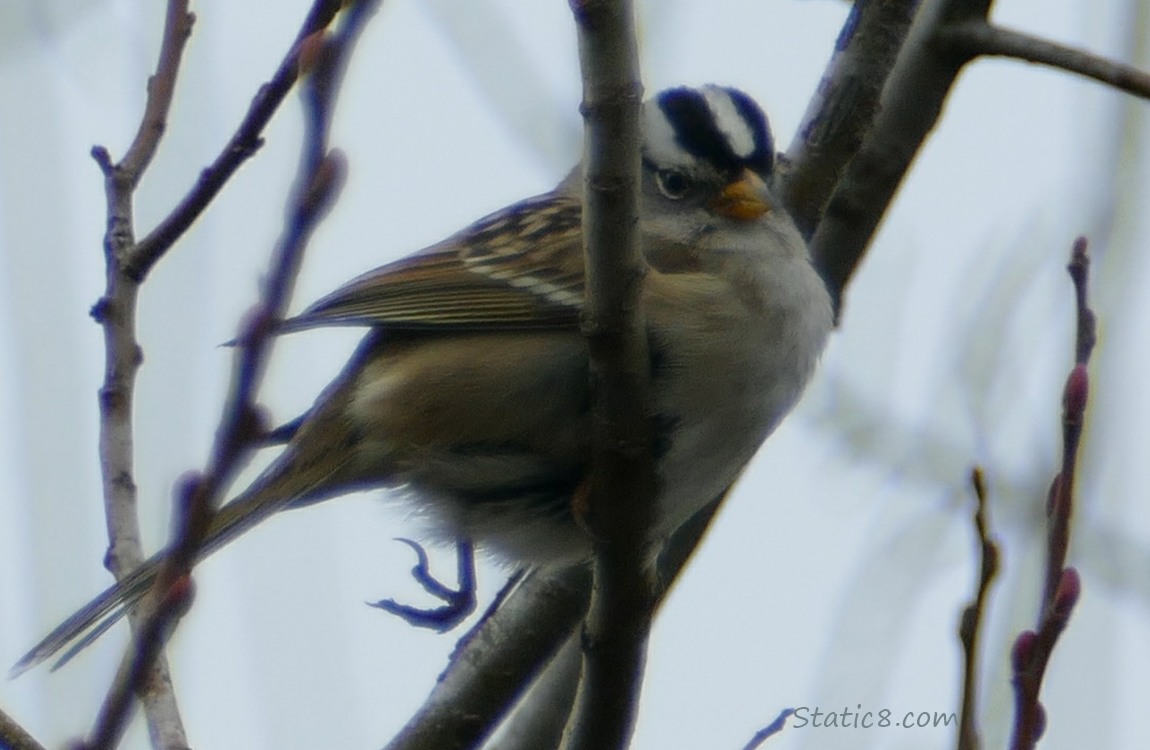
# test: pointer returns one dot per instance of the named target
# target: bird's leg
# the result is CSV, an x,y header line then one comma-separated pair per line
x,y
458,603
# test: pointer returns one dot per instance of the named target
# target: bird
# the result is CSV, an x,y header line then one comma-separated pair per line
x,y
469,394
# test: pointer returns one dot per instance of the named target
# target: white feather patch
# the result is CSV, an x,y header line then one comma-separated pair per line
x,y
545,289
729,121
660,140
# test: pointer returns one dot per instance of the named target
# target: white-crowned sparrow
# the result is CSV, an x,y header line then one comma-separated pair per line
x,y
470,393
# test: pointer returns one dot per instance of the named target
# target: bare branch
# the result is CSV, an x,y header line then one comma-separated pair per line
x,y
945,35
973,616
1062,587
769,730
540,717
495,663
15,737
242,145
319,178
982,38
161,87
910,106
1085,336
622,486
843,107
116,312
437,725
135,670
1073,409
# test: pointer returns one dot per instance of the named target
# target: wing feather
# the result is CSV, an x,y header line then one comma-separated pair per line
x,y
520,268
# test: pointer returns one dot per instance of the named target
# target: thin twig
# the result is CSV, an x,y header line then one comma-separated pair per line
x,y
1061,586
242,145
161,88
769,730
15,737
116,313
973,617
1061,508
319,178
1085,336
149,637
945,36
118,308
981,38
622,485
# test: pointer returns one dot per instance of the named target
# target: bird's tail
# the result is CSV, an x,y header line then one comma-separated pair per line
x,y
280,486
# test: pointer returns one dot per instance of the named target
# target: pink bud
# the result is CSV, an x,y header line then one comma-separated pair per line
x,y
1023,650
309,50
1067,593
178,597
1077,388
1039,722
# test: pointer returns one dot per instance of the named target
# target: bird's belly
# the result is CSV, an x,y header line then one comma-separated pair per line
x,y
719,430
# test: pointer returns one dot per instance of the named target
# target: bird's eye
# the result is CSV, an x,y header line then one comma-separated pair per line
x,y
673,183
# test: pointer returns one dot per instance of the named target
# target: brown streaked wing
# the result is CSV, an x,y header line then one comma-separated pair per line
x,y
519,268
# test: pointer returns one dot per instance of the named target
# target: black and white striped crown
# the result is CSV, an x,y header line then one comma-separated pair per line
x,y
715,124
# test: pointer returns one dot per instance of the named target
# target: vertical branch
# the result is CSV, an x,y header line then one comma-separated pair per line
x,y
116,313
117,307
319,177
622,489
973,616
1061,585
503,666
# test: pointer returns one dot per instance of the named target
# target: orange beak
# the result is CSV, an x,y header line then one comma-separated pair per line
x,y
744,199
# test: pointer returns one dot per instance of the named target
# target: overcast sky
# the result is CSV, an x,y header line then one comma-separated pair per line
x,y
836,574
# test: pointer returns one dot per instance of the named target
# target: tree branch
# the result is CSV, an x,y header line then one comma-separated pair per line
x,y
319,178
161,88
978,37
15,737
911,104
973,616
438,726
769,730
1061,586
843,107
495,663
242,145
116,312
945,35
540,716
622,486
